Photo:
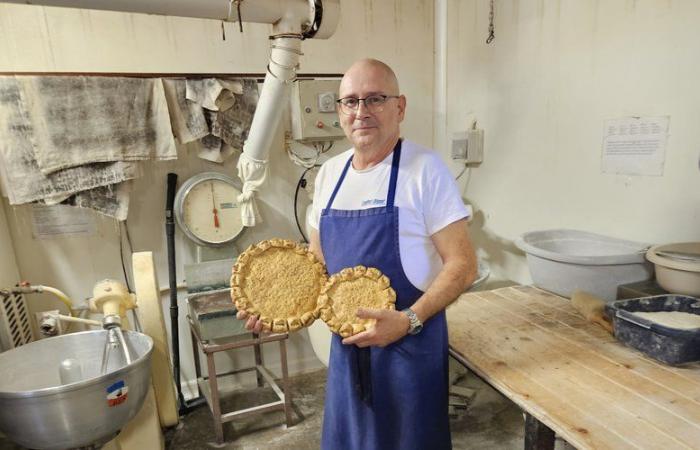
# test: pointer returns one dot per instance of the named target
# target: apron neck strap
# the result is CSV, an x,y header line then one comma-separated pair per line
x,y
396,159
394,175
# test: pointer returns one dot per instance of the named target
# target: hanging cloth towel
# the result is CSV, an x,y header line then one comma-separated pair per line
x,y
23,182
186,117
83,120
254,172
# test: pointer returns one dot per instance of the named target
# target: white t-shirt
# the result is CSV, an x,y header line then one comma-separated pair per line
x,y
426,194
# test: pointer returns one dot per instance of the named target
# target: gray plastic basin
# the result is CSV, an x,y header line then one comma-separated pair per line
x,y
562,261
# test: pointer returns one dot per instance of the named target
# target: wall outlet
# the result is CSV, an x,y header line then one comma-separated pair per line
x,y
468,146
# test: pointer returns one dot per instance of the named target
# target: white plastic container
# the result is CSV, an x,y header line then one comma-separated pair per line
x,y
562,261
677,269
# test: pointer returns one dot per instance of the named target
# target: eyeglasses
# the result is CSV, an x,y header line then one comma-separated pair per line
x,y
374,103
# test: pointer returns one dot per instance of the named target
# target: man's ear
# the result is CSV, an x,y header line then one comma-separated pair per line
x,y
402,107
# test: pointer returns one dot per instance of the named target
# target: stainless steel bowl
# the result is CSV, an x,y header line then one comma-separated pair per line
x,y
38,411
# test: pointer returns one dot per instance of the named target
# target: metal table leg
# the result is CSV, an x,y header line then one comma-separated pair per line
x,y
285,384
258,361
538,436
214,392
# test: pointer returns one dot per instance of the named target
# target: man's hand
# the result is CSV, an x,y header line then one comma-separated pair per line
x,y
252,324
390,327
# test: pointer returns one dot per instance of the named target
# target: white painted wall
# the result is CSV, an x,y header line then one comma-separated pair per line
x,y
556,70
41,39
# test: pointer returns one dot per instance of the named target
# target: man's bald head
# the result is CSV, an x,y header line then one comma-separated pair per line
x,y
373,129
372,67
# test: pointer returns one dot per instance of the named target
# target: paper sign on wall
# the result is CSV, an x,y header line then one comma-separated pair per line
x,y
635,145
60,220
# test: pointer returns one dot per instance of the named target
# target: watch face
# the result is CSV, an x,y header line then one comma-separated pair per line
x,y
209,212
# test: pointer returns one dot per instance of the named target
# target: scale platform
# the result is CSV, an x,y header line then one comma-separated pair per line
x,y
213,315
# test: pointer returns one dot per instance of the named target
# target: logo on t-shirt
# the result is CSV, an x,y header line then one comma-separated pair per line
x,y
374,202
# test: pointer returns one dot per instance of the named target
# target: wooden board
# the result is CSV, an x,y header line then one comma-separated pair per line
x,y
572,375
153,324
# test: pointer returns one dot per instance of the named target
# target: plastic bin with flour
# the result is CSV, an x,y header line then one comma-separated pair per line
x,y
562,261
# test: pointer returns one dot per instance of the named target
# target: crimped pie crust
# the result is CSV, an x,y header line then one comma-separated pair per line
x,y
280,281
350,289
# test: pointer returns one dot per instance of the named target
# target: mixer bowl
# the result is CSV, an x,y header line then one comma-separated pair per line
x,y
38,411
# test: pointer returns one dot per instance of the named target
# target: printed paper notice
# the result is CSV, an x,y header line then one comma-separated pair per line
x,y
635,145
61,220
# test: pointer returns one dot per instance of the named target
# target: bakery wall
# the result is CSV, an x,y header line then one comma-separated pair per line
x,y
44,39
542,91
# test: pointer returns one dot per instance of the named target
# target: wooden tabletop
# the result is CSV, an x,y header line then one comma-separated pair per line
x,y
572,375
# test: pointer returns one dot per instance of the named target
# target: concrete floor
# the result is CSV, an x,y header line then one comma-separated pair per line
x,y
490,422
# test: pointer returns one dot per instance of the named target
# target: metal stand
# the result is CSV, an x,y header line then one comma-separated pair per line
x,y
209,385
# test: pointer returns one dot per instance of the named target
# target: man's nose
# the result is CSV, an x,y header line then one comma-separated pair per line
x,y
362,110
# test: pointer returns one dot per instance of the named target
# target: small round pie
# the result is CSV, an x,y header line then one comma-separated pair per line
x,y
279,281
350,289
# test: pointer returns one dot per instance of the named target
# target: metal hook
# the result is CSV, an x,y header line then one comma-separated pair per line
x,y
238,12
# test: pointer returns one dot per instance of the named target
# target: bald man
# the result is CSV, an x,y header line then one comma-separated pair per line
x,y
391,204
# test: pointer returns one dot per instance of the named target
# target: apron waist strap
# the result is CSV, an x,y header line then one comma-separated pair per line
x,y
363,384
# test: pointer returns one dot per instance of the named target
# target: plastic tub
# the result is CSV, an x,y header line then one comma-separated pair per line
x,y
562,261
666,344
677,267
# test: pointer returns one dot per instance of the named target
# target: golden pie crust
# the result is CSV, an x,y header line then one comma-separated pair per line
x,y
280,281
350,289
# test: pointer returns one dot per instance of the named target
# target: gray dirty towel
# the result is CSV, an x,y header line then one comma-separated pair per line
x,y
186,117
233,124
229,106
23,182
112,201
81,120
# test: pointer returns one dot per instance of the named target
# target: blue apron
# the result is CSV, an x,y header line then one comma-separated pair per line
x,y
383,398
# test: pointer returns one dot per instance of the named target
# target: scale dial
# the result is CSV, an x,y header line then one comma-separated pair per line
x,y
207,209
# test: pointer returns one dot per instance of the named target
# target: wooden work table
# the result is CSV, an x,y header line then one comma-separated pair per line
x,y
570,376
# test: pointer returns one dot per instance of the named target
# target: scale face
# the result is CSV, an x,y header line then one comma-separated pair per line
x,y
207,209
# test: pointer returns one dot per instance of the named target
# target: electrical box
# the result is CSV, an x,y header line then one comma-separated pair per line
x,y
313,111
468,146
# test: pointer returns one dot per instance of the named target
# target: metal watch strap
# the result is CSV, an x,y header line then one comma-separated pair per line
x,y
414,323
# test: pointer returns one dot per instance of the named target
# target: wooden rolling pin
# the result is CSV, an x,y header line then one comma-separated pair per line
x,y
592,308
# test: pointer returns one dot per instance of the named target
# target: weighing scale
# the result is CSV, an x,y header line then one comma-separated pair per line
x,y
207,211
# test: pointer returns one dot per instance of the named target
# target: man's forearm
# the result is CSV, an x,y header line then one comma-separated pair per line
x,y
450,283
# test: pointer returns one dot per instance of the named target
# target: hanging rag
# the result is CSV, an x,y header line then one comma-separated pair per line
x,y
254,172
23,181
186,117
111,201
83,120
228,108
232,124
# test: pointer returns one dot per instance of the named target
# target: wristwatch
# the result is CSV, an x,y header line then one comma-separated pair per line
x,y
414,324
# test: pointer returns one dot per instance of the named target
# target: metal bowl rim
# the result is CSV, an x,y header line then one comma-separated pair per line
x,y
43,392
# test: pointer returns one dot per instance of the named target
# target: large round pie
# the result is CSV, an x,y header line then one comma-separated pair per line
x,y
279,281
350,289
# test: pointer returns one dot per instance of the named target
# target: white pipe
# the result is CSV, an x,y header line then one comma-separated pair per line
x,y
284,58
64,318
260,11
281,71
